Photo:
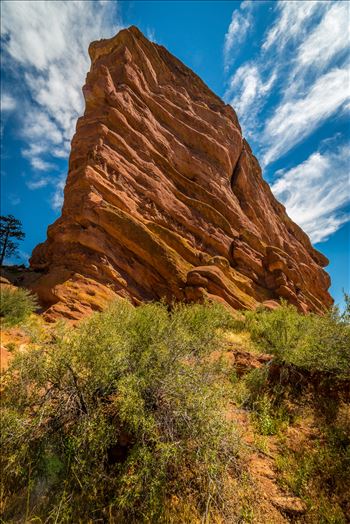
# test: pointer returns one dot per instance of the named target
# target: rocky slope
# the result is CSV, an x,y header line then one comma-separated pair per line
x,y
164,198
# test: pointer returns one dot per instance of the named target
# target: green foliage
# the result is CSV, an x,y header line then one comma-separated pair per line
x,y
310,341
269,417
253,392
119,419
16,305
306,379
311,360
278,331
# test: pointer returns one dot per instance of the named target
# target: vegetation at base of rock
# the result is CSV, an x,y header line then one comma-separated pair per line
x,y
130,417
311,429
121,419
318,343
299,401
319,473
16,305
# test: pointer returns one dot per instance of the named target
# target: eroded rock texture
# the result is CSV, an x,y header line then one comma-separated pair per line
x,y
164,198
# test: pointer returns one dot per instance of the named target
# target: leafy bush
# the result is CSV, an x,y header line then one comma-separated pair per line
x,y
326,345
16,305
310,341
120,420
279,331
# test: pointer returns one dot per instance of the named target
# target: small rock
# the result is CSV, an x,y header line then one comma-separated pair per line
x,y
289,505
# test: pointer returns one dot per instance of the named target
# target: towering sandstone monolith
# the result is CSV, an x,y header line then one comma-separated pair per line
x,y
164,198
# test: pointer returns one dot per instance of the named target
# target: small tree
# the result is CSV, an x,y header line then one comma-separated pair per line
x,y
10,227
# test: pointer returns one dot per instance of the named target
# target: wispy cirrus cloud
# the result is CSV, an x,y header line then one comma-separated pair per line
x,y
57,182
57,195
14,199
237,31
328,39
46,43
297,117
315,191
314,90
246,93
151,34
7,102
38,183
291,22
294,64
33,155
296,83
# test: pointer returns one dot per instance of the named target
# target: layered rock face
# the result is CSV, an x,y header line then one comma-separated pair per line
x,y
164,198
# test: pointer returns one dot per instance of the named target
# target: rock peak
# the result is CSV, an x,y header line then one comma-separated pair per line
x,y
105,45
164,198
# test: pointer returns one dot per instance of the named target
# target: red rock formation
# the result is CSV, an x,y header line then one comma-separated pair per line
x,y
164,198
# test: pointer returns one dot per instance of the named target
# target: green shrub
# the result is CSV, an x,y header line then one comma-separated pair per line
x,y
326,345
310,341
268,416
279,331
120,419
16,305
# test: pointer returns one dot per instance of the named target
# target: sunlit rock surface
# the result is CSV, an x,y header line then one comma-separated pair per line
x,y
164,198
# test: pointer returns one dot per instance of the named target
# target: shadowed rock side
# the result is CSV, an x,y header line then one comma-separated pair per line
x,y
164,198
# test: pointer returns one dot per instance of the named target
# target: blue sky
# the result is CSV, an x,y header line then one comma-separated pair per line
x,y
283,65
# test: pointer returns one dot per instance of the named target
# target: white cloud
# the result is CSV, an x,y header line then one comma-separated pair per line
x,y
37,184
48,43
57,196
251,84
315,192
246,86
40,129
291,21
329,38
247,91
7,102
310,95
62,151
14,199
237,31
151,34
33,152
296,118
42,165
